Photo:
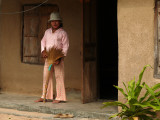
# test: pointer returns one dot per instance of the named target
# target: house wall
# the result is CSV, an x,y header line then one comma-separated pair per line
x,y
19,77
0,43
136,41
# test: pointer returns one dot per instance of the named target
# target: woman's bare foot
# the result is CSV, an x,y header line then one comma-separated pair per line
x,y
56,101
39,100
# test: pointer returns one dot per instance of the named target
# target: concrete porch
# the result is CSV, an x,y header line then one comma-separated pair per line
x,y
73,106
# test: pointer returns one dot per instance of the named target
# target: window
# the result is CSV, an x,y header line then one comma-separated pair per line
x,y
35,22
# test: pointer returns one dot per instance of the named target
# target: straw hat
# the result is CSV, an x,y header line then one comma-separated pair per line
x,y
54,16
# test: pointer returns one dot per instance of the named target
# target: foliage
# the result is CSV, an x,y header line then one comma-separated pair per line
x,y
144,107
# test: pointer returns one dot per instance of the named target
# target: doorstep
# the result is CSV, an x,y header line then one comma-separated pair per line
x,y
72,106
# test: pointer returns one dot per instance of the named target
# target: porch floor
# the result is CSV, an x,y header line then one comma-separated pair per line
x,y
72,106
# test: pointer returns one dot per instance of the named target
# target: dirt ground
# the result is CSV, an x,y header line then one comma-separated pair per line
x,y
11,114
13,117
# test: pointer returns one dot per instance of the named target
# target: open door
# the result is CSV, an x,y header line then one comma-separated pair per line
x,y
89,52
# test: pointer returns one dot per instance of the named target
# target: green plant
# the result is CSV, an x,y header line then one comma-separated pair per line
x,y
144,107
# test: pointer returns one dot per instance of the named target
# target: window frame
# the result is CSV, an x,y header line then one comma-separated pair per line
x,y
40,61
156,41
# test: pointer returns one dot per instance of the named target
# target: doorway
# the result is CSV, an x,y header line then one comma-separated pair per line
x,y
100,51
107,49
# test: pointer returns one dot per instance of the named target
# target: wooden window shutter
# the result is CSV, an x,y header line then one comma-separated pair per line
x,y
35,22
157,40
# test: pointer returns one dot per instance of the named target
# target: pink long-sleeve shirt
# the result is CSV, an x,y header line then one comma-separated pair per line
x,y
58,39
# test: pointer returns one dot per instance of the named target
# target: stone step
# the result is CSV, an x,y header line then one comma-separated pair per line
x,y
26,103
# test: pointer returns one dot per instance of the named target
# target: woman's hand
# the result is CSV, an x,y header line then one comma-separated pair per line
x,y
44,54
58,61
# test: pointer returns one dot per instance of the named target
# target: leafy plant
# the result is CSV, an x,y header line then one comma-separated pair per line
x,y
144,107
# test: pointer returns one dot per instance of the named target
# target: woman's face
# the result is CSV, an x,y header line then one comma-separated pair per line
x,y
55,24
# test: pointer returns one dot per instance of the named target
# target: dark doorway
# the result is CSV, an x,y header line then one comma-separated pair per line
x,y
107,49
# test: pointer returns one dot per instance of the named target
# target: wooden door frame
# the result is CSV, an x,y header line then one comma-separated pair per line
x,y
82,57
89,52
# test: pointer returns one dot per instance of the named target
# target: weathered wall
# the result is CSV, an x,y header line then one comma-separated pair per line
x,y
136,40
26,78
0,43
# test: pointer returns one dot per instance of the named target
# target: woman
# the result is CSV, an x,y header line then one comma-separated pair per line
x,y
55,36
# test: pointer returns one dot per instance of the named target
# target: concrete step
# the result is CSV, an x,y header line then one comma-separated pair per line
x,y
72,106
